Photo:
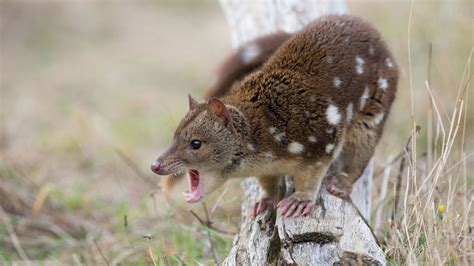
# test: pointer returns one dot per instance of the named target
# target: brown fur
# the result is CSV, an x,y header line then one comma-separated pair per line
x,y
243,61
234,68
293,116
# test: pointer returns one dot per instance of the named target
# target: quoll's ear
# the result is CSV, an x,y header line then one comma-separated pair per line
x,y
192,103
218,108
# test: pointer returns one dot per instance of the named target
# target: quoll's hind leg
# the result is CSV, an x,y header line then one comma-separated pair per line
x,y
307,182
339,185
361,138
268,196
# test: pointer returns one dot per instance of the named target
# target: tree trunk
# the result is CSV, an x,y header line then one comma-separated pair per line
x,y
335,231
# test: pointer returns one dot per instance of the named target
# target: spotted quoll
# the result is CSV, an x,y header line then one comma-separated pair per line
x,y
318,103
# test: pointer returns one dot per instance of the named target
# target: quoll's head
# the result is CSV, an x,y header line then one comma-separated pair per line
x,y
202,146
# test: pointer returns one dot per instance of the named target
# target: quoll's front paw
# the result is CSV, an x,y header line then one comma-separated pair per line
x,y
296,205
261,205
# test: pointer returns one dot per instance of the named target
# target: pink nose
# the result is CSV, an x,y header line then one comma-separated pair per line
x,y
155,167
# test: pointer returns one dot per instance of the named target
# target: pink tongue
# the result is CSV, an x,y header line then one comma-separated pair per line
x,y
195,187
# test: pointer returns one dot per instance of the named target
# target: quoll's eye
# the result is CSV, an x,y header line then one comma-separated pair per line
x,y
196,144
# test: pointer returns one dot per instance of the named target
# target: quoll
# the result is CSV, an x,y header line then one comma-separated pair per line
x,y
318,103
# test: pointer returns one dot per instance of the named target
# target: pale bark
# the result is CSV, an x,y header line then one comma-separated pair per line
x,y
249,19
335,231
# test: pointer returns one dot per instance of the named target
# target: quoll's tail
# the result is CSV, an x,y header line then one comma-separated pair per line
x,y
243,61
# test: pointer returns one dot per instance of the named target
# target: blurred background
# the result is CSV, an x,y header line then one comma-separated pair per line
x,y
91,92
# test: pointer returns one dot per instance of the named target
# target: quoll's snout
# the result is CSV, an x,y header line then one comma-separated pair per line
x,y
155,167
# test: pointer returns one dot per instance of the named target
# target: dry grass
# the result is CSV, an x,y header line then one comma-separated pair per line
x,y
91,91
433,224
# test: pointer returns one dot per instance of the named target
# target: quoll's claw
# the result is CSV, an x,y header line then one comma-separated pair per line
x,y
262,205
337,187
291,207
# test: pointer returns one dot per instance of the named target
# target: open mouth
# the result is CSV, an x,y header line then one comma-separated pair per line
x,y
195,187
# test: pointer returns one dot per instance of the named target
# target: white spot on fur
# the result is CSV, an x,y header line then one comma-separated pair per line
x,y
349,112
359,65
307,113
249,52
312,98
295,147
378,118
279,137
337,82
330,59
364,97
389,62
332,114
250,147
272,130
329,148
371,50
383,83
312,139
330,130
269,155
